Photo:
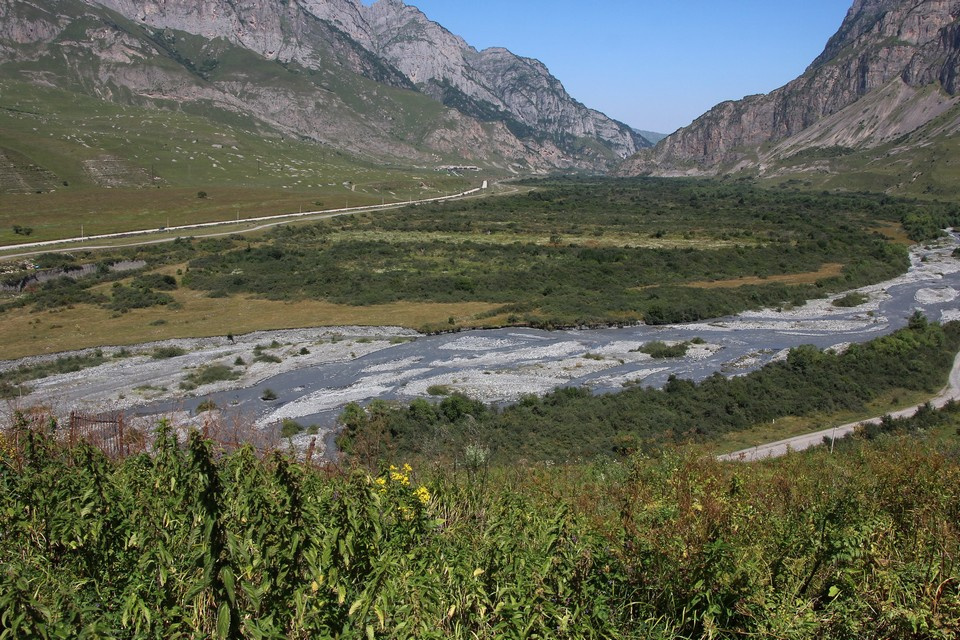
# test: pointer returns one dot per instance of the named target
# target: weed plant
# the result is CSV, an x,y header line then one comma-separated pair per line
x,y
184,542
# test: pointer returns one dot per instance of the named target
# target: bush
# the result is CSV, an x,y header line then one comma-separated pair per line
x,y
207,405
660,350
160,353
208,375
290,428
853,299
268,395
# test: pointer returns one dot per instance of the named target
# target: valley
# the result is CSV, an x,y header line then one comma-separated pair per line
x,y
317,320
315,373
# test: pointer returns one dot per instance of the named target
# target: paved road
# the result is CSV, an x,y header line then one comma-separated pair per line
x,y
34,248
798,443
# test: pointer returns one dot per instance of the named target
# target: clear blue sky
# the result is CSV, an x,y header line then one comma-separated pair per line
x,y
654,64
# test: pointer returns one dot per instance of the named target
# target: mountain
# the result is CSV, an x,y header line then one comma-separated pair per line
x,y
652,136
873,110
382,83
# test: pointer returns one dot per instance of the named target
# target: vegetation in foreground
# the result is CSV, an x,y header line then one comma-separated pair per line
x,y
184,542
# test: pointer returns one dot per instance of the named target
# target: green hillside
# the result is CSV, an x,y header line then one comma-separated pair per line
x,y
67,159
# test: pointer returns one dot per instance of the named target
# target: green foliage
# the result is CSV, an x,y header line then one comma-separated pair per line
x,y
852,299
268,395
290,428
572,422
159,353
208,374
207,405
494,251
160,282
123,298
438,390
184,542
660,350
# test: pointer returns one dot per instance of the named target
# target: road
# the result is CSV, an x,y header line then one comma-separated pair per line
x,y
35,248
799,443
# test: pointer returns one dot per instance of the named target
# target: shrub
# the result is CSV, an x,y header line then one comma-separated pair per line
x,y
160,353
207,405
290,428
208,375
853,299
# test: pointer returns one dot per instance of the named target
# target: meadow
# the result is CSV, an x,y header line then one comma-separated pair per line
x,y
560,253
67,160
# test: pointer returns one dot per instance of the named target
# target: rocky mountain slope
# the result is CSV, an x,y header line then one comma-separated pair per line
x,y
885,86
382,82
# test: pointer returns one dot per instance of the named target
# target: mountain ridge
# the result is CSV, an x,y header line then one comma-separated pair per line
x,y
367,69
902,57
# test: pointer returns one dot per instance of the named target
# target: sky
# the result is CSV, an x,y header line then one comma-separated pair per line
x,y
653,64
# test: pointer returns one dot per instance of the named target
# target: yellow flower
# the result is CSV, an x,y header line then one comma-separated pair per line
x,y
314,586
422,495
407,468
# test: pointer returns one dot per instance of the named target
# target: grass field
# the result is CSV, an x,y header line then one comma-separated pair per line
x,y
829,270
28,333
116,168
555,253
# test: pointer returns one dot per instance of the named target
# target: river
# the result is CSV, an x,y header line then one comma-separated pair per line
x,y
502,365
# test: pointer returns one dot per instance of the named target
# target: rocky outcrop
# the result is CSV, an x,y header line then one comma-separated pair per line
x,y
395,44
493,84
889,48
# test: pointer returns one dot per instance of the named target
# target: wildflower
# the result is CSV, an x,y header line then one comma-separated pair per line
x,y
381,483
407,468
314,586
423,495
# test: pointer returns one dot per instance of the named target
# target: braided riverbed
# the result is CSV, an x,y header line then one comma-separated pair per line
x,y
321,370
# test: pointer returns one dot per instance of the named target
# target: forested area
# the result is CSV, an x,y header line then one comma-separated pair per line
x,y
579,253
568,252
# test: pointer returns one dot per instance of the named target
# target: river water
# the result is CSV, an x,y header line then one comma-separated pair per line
x,y
500,366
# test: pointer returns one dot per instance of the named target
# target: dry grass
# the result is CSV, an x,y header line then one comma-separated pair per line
x,y
626,240
829,270
894,232
25,333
